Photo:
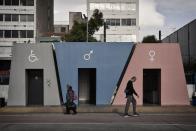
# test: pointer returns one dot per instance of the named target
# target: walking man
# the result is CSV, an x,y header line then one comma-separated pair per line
x,y
129,90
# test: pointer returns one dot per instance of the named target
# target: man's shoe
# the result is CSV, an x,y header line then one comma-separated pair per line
x,y
126,116
135,114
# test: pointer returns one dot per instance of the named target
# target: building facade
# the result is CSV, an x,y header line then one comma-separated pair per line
x,y
21,21
75,16
121,17
61,29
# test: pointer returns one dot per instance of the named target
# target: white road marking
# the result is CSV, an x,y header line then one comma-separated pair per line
x,y
137,124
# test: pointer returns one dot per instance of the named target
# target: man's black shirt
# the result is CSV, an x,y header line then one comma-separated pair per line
x,y
129,90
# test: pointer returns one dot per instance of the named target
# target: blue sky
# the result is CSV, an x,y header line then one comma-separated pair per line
x,y
155,15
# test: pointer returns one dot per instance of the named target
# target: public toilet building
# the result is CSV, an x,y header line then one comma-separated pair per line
x,y
98,73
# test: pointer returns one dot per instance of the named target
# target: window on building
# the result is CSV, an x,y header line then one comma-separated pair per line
x,y
1,33
15,2
63,29
1,2
4,71
100,6
15,17
1,17
23,34
29,33
128,22
23,18
128,6
8,2
117,22
7,34
7,17
30,17
4,77
132,6
115,6
14,33
94,6
133,22
113,22
23,2
30,2
124,22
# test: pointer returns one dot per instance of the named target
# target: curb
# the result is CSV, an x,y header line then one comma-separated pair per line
x,y
100,109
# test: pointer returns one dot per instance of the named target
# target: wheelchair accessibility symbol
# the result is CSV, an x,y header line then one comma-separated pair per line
x,y
32,57
87,56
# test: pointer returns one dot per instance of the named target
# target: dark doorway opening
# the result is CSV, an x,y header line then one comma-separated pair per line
x,y
5,72
151,86
87,85
34,86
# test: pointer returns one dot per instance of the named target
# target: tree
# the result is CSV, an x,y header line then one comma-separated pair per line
x,y
78,32
150,39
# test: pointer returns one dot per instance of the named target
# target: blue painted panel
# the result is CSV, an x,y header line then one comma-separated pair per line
x,y
109,60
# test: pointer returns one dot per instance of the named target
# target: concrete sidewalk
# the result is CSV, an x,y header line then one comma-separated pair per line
x,y
100,109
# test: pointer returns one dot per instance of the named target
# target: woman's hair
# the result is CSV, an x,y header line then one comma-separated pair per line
x,y
133,78
69,87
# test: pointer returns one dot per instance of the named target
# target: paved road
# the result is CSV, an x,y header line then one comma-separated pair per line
x,y
97,121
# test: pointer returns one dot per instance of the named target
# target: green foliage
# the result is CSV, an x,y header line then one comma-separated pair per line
x,y
95,22
150,39
79,33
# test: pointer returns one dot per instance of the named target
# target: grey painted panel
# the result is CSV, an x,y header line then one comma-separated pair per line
x,y
186,37
173,38
183,41
192,29
166,40
20,62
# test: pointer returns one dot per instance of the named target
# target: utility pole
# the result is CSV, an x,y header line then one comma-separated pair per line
x,y
159,35
104,31
87,30
87,2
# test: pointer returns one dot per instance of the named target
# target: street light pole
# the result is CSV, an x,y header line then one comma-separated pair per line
x,y
88,6
87,30
104,31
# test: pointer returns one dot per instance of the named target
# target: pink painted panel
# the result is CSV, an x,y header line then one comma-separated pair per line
x,y
166,57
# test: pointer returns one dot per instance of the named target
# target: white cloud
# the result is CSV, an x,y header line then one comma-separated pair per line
x,y
150,20
149,16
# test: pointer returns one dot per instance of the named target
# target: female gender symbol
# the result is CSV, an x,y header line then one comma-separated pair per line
x,y
152,55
